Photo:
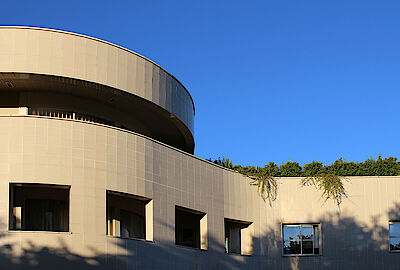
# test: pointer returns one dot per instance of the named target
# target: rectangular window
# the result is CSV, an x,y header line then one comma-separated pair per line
x,y
238,237
39,207
129,216
301,239
394,236
190,228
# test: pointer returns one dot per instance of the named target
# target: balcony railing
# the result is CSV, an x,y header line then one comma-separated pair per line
x,y
70,115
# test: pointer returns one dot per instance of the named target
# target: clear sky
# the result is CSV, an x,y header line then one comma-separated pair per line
x,y
271,80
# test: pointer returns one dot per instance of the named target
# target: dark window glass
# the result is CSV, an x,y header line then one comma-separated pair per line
x,y
291,247
126,215
307,247
132,225
46,215
187,227
37,207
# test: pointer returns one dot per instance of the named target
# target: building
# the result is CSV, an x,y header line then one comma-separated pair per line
x,y
97,171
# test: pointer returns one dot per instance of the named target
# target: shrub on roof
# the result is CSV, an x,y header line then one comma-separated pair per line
x,y
370,167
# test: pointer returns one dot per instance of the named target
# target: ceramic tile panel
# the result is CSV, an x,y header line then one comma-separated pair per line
x,y
53,52
93,158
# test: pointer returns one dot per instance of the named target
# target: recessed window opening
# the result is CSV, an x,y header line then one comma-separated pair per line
x,y
39,207
190,228
301,239
129,216
394,236
238,237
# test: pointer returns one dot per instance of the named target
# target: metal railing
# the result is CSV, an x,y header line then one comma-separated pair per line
x,y
69,115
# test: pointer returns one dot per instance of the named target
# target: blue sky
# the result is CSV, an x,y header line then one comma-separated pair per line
x,y
271,80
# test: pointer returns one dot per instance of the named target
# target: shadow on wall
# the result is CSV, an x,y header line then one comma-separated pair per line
x,y
132,254
347,244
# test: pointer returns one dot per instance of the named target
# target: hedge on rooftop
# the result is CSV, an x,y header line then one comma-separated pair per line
x,y
370,167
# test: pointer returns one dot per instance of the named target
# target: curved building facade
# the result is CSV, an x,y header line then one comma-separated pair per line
x,y
55,71
97,172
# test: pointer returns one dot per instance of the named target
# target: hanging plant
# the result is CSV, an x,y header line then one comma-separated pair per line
x,y
330,185
267,186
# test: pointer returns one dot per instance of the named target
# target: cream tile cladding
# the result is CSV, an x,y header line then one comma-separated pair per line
x,y
58,53
126,162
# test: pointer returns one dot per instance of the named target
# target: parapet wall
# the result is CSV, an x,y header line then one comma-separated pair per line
x,y
93,158
65,99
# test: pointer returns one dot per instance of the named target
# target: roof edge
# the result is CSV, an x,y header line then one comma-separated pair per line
x,y
98,40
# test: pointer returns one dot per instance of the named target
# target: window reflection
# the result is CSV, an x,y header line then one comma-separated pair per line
x,y
306,232
395,244
291,232
394,229
291,247
301,239
394,236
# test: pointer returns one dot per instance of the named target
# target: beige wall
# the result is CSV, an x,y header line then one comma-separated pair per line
x,y
64,54
94,158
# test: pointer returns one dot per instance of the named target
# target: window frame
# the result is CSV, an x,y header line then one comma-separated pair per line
x,y
148,215
319,239
395,236
11,204
202,227
246,229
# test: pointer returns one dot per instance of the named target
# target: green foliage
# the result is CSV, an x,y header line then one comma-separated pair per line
x,y
370,167
267,187
326,178
341,167
263,178
290,169
330,185
249,170
387,166
313,168
271,169
225,162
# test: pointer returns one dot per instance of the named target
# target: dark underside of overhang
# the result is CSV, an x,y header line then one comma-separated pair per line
x,y
114,106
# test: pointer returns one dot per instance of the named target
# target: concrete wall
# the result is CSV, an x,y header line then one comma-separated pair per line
x,y
94,158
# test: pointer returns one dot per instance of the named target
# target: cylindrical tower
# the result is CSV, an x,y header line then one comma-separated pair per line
x,y
61,74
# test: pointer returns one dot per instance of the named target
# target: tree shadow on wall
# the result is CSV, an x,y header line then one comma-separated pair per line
x,y
33,256
19,251
346,244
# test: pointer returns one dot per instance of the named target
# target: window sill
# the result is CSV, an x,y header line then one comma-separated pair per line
x,y
237,254
190,248
128,238
299,255
26,231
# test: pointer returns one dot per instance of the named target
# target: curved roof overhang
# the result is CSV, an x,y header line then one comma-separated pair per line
x,y
53,60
